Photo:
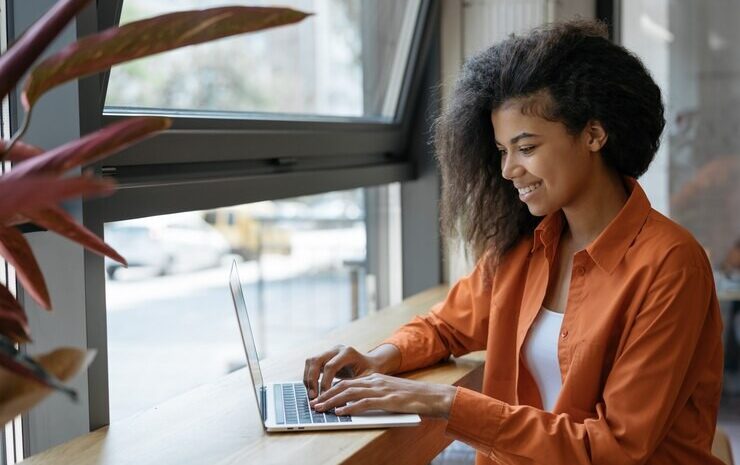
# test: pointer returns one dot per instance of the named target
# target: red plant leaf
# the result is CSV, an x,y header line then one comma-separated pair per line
x,y
24,381
90,148
13,321
20,151
15,220
12,365
33,192
57,220
138,39
15,249
9,303
14,326
20,56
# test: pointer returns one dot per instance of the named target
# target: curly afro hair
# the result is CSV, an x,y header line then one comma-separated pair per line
x,y
584,76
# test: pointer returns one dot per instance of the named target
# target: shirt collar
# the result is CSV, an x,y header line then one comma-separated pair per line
x,y
548,230
608,249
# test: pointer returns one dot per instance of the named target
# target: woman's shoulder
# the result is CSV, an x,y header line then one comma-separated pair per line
x,y
668,245
511,265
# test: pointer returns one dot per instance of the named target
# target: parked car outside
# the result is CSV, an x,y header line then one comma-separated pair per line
x,y
167,244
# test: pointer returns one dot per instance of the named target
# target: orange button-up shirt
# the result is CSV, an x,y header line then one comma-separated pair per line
x,y
640,348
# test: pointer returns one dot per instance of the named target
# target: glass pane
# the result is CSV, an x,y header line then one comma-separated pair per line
x,y
171,320
347,60
693,51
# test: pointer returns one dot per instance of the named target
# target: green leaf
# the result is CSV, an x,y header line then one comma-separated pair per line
x,y
138,39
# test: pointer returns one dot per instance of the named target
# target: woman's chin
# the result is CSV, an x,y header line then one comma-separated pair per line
x,y
538,209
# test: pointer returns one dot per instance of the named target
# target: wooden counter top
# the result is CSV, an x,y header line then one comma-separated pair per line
x,y
218,423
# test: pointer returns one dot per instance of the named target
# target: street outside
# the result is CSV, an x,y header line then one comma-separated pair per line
x,y
169,334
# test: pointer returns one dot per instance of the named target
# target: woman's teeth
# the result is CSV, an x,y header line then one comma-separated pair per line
x,y
530,188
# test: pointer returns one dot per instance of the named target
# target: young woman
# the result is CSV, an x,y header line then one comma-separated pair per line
x,y
598,314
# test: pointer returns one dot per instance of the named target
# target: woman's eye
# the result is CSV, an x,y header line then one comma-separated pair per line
x,y
501,152
527,149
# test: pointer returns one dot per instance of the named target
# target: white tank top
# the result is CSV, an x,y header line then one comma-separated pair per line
x,y
541,355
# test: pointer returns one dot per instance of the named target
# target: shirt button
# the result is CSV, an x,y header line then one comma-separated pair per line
x,y
564,334
580,271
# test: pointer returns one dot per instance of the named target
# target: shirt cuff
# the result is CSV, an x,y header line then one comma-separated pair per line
x,y
475,419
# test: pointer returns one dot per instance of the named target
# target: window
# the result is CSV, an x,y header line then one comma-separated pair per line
x,y
691,49
216,155
303,265
688,49
338,127
346,60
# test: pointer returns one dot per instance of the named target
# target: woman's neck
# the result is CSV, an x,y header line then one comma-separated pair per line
x,y
601,201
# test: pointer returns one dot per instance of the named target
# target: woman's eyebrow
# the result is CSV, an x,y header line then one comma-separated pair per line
x,y
519,137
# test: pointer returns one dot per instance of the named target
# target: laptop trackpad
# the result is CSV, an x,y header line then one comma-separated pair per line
x,y
374,413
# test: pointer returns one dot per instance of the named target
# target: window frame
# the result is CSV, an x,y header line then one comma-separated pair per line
x,y
294,157
257,149
257,126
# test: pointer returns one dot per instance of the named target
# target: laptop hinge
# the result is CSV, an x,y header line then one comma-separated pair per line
x,y
263,395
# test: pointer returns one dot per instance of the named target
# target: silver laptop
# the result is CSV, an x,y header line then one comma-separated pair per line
x,y
284,406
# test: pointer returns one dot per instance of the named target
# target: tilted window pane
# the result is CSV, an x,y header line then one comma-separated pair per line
x,y
346,60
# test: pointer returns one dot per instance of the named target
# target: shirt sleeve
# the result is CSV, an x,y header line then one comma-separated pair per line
x,y
651,379
457,326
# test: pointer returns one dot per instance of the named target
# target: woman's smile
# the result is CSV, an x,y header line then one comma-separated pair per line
x,y
527,191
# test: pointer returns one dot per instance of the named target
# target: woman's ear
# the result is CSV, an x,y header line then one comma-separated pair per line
x,y
596,136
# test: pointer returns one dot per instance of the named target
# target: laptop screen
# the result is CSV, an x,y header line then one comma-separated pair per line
x,y
247,338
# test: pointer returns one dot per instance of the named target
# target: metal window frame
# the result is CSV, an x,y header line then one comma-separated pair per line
x,y
285,158
609,11
255,151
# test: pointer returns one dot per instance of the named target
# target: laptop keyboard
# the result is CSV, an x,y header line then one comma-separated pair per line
x,y
294,408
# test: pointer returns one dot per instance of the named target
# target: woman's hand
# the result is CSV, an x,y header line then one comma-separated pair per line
x,y
347,362
388,393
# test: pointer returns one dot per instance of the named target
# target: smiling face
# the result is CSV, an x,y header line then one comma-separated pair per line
x,y
550,167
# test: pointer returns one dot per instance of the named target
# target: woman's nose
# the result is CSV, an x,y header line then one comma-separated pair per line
x,y
510,169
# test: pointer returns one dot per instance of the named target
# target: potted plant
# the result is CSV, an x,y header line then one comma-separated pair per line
x,y
32,190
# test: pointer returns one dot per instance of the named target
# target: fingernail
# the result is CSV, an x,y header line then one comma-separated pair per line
x,y
310,393
339,410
